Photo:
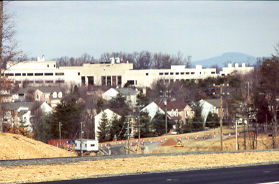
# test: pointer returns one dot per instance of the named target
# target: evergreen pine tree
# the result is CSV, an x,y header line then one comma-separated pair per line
x,y
103,132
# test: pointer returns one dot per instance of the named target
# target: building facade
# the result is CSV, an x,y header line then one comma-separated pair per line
x,y
40,73
109,74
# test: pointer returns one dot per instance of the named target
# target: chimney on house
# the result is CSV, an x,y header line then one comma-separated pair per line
x,y
144,91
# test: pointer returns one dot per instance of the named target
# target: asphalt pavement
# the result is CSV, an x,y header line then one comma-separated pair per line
x,y
235,175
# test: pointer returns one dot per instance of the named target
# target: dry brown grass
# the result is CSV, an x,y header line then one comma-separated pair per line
x,y
13,146
130,165
16,146
264,142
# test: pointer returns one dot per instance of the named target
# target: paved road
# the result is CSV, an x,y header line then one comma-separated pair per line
x,y
117,150
237,175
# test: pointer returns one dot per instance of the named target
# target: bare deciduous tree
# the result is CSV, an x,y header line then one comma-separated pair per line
x,y
142,60
276,48
8,47
161,60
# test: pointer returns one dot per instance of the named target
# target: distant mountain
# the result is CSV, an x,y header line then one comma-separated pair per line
x,y
229,57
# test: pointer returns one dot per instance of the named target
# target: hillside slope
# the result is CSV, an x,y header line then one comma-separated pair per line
x,y
229,57
13,146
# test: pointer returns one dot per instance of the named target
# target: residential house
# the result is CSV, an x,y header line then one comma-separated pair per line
x,y
97,90
24,94
50,94
110,94
109,113
13,113
152,109
18,114
129,94
6,96
209,105
178,110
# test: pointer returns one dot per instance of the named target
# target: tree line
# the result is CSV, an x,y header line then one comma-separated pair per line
x,y
141,60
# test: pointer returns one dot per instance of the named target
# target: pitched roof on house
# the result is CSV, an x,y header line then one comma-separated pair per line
x,y
127,91
44,89
24,90
120,111
108,110
152,109
49,89
214,102
16,105
21,113
180,105
98,88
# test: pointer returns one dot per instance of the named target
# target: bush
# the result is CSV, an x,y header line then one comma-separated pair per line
x,y
187,128
196,126
212,124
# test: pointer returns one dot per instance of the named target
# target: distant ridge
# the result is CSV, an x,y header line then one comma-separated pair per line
x,y
228,57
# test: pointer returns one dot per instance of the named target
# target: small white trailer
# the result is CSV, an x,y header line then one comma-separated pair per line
x,y
87,145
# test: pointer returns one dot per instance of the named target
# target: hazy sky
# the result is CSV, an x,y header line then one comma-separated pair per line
x,y
196,28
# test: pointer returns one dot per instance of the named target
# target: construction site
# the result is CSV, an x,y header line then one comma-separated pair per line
x,y
13,146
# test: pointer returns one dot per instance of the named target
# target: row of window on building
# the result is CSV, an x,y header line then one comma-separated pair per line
x,y
40,81
177,80
111,80
106,80
179,73
34,74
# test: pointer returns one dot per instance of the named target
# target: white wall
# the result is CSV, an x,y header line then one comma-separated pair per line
x,y
145,78
98,118
236,68
206,108
141,78
39,73
109,94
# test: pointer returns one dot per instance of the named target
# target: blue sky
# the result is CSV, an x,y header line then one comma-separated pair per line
x,y
201,29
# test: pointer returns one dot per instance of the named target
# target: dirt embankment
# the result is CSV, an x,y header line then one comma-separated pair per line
x,y
13,146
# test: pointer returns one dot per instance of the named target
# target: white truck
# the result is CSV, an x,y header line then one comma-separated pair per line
x,y
87,145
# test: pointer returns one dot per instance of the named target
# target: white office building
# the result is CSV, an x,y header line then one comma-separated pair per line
x,y
40,73
109,74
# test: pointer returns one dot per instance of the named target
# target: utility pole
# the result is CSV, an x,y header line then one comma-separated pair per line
x,y
165,97
221,116
128,135
139,130
59,126
265,126
246,107
244,124
248,91
81,132
242,106
236,143
137,111
166,117
221,111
